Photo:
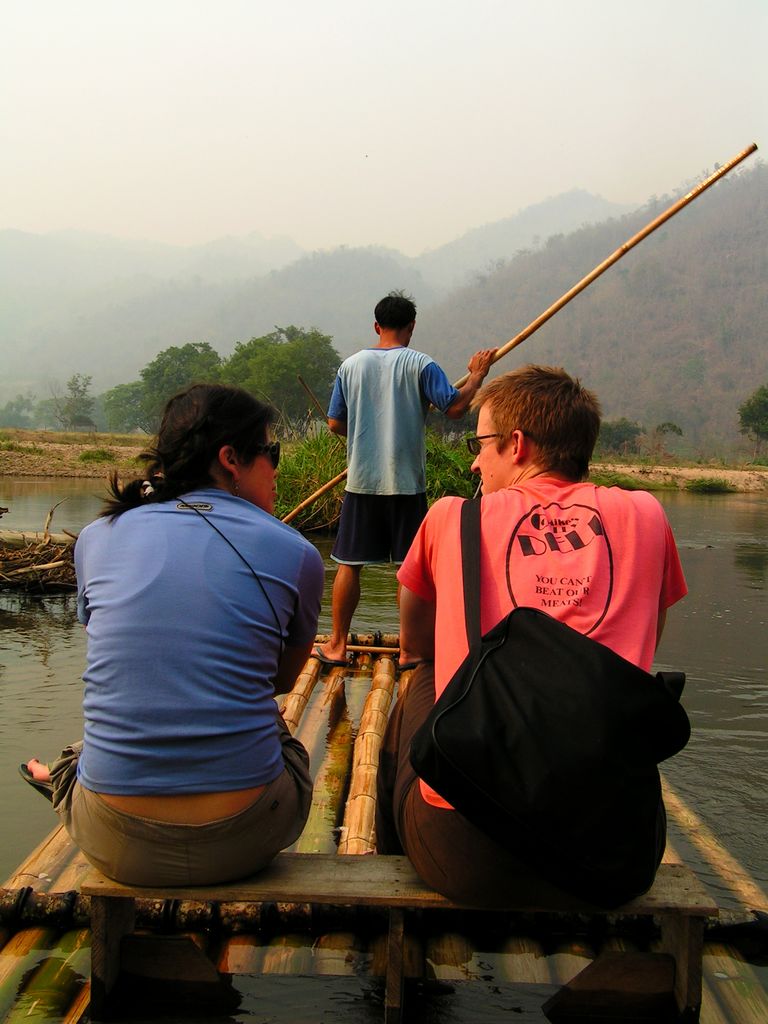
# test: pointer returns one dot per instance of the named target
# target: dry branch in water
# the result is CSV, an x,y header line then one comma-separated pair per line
x,y
39,565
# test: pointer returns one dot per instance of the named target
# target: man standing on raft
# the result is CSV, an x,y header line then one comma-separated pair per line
x,y
379,403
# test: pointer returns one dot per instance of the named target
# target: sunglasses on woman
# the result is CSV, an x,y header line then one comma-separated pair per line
x,y
271,450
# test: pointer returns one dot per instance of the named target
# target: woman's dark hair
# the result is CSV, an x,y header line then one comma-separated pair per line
x,y
196,423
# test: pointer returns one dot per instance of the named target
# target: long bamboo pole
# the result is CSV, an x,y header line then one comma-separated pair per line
x,y
572,292
313,497
616,256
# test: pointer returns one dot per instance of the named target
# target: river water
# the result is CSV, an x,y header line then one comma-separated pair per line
x,y
717,635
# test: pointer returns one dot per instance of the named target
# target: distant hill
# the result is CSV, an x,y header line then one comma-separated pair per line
x,y
72,302
676,331
479,250
112,332
69,296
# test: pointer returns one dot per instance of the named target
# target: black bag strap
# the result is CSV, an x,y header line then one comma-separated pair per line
x,y
470,567
470,570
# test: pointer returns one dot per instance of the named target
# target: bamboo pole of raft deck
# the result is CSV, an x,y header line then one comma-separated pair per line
x,y
330,782
332,777
288,954
734,984
337,954
730,871
450,956
568,959
573,292
296,701
57,981
23,952
521,960
358,828
46,861
79,1006
616,256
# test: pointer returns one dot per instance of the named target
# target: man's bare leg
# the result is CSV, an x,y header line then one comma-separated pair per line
x,y
344,600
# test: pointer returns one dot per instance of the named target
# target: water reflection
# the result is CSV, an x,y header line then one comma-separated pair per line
x,y
30,499
37,626
751,559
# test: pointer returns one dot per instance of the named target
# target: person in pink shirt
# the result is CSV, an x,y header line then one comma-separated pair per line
x,y
601,559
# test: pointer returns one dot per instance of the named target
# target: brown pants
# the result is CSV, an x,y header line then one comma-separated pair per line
x,y
142,851
447,851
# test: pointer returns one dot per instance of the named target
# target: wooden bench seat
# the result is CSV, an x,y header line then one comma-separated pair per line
x,y
676,898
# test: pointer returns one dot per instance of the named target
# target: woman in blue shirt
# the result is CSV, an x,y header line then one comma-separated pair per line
x,y
200,607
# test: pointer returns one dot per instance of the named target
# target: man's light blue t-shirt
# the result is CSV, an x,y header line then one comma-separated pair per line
x,y
384,394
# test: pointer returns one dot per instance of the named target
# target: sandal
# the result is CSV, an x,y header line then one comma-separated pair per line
x,y
44,787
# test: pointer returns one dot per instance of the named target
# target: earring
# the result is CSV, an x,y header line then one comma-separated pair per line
x,y
236,488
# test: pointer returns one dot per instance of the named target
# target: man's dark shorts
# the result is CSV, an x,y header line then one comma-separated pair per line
x,y
377,527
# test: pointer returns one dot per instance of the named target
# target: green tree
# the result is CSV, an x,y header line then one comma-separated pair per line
x,y
75,408
657,448
270,367
125,408
619,437
173,369
19,412
753,418
46,413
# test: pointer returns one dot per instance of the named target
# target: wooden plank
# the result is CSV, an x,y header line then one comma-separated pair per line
x,y
617,986
391,882
111,919
683,938
393,984
166,957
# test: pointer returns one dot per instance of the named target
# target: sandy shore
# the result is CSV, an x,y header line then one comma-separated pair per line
x,y
36,453
743,480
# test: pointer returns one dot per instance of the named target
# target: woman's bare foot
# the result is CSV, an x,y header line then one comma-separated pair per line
x,y
38,770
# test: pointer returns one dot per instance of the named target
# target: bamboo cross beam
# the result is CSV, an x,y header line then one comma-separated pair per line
x,y
573,292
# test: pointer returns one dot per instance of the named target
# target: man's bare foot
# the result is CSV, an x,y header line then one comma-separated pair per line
x,y
332,656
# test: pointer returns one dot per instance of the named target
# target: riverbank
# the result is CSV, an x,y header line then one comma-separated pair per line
x,y
43,453
39,453
746,481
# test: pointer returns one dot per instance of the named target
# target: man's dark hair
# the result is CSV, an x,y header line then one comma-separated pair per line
x,y
395,311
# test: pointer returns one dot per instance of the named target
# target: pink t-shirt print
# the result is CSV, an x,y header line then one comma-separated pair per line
x,y
559,557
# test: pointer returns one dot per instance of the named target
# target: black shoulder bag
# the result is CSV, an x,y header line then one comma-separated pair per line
x,y
548,742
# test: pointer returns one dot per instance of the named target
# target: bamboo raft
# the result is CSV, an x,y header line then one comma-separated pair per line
x,y
340,714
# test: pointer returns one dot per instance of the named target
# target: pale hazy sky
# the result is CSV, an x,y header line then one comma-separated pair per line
x,y
350,122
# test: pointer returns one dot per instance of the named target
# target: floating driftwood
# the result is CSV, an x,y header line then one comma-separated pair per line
x,y
32,561
37,566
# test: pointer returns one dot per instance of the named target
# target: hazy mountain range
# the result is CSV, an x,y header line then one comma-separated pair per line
x,y
74,302
674,332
